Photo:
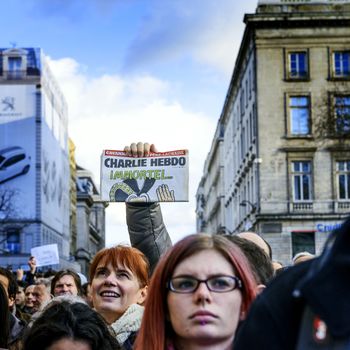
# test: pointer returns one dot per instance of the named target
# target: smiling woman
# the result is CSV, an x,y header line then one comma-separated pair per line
x,y
200,291
119,279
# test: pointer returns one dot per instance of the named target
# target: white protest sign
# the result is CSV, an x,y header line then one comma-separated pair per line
x,y
161,177
46,255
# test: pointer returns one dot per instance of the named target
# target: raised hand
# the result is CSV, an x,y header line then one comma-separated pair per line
x,y
140,149
164,194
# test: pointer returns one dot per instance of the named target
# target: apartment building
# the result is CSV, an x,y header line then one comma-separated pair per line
x,y
286,121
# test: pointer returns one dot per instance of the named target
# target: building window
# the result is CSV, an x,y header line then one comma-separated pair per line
x,y
298,65
13,245
250,83
342,113
14,67
246,93
341,64
343,176
301,179
299,115
303,241
242,102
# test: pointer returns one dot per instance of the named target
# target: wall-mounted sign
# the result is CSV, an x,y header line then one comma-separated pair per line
x,y
297,2
327,227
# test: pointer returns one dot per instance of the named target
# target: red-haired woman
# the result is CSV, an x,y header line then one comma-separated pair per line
x,y
200,291
119,278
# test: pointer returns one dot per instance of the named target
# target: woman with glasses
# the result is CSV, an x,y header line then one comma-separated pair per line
x,y
200,291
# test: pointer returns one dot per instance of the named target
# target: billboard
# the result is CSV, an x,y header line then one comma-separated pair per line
x,y
55,174
17,149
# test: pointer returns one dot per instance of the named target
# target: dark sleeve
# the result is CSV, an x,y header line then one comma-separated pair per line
x,y
274,318
147,230
29,278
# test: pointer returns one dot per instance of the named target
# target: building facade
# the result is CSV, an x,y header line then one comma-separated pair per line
x,y
210,211
90,217
42,201
286,121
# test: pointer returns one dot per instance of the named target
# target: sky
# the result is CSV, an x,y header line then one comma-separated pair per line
x,y
154,71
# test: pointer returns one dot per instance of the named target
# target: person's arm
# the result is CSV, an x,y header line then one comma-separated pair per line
x,y
30,275
147,230
145,221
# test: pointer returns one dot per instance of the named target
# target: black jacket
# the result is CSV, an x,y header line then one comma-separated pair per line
x,y
147,230
322,284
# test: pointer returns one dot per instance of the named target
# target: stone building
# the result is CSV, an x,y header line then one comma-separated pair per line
x,y
286,121
90,218
210,210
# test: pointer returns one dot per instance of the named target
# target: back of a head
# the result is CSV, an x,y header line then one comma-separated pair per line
x,y
259,262
301,257
75,321
258,240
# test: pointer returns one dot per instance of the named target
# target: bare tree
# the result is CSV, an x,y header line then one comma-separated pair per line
x,y
332,114
8,209
9,218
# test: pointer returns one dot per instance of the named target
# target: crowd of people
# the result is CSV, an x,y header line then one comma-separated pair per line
x,y
211,292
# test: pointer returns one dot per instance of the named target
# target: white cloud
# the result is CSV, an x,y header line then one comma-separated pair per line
x,y
111,111
208,31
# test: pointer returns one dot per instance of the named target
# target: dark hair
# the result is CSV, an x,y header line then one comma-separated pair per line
x,y
155,331
4,318
22,284
67,272
268,247
259,262
12,284
84,289
75,321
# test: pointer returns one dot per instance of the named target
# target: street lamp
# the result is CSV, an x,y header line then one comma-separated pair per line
x,y
246,202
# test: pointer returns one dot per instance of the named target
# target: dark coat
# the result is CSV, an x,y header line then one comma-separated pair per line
x,y
17,329
147,230
322,284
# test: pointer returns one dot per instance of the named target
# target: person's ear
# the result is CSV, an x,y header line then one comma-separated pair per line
x,y
142,296
260,288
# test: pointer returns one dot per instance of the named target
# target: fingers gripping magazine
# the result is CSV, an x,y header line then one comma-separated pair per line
x,y
160,177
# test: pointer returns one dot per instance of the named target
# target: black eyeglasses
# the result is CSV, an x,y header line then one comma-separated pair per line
x,y
217,284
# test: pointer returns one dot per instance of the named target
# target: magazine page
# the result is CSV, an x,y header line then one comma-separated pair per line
x,y
160,177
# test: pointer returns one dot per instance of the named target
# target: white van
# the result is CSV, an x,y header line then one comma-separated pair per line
x,y
13,162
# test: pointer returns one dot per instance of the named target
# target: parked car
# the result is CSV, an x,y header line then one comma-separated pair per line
x,y
13,162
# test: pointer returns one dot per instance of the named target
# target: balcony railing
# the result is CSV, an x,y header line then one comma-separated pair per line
x,y
342,206
15,75
302,206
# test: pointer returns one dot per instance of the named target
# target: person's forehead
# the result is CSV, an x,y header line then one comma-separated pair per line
x,y
66,279
39,288
207,262
113,266
30,289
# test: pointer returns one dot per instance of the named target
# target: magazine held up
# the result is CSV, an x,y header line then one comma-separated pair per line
x,y
160,177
